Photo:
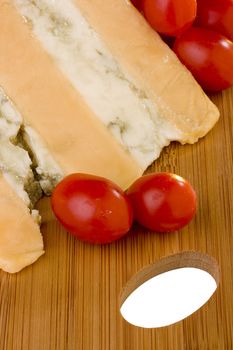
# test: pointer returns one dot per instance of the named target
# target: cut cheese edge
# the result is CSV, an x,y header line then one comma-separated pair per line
x,y
20,239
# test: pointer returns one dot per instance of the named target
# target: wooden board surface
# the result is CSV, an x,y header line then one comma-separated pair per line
x,y
69,299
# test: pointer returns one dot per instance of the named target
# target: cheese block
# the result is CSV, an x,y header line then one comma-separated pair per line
x,y
20,238
86,86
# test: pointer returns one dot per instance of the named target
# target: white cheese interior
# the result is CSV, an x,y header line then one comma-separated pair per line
x,y
26,176
85,60
15,165
48,171
10,120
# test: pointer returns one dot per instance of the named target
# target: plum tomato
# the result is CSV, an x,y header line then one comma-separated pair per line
x,y
216,15
92,208
162,202
170,17
208,55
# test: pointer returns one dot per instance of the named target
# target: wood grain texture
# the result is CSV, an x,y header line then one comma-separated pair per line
x,y
69,299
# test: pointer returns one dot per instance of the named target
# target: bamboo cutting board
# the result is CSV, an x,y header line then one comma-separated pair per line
x,y
69,299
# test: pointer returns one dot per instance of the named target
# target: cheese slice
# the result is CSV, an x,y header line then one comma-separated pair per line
x,y
20,239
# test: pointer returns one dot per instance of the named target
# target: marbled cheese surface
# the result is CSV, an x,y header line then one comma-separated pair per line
x,y
85,60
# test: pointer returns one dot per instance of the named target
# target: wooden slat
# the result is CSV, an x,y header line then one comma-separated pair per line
x,y
69,299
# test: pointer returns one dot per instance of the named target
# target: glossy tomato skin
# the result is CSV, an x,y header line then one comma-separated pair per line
x,y
92,208
216,15
208,55
170,17
162,202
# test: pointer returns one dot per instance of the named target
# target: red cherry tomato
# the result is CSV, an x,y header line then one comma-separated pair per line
x,y
208,55
216,15
92,208
170,17
162,202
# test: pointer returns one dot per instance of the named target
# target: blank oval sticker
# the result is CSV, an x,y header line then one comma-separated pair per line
x,y
169,296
